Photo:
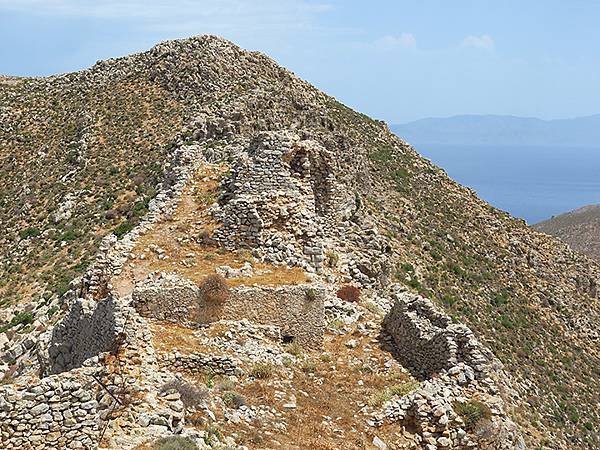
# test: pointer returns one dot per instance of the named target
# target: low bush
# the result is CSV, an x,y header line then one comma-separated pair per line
x,y
349,293
472,412
21,318
123,229
309,366
233,399
191,396
294,348
331,259
311,294
205,238
262,371
29,232
214,289
175,443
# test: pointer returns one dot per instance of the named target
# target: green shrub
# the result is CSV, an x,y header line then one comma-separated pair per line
x,y
233,399
399,175
175,443
472,412
21,318
67,236
262,371
382,155
499,300
123,228
29,232
449,300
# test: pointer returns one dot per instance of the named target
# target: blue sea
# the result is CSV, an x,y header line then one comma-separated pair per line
x,y
533,183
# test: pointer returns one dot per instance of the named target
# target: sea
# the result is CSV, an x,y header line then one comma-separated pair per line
x,y
533,183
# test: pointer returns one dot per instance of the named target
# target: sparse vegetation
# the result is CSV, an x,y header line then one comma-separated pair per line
x,y
175,443
214,289
294,348
262,371
191,396
123,229
309,366
21,318
349,293
389,392
332,259
311,294
29,232
472,412
233,399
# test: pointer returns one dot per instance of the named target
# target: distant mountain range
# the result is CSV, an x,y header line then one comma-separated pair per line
x,y
502,130
580,229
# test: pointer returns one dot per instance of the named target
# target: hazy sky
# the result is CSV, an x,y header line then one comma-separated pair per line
x,y
394,60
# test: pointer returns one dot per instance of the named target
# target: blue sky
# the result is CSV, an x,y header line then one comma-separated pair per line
x,y
394,60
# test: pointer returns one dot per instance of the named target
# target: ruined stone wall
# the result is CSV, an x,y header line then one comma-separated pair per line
x,y
427,339
90,328
297,310
278,200
167,297
58,412
199,364
455,369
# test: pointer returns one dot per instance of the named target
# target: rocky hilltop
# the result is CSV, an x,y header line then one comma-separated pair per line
x,y
202,250
579,228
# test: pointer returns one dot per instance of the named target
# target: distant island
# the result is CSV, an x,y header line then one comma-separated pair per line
x,y
502,131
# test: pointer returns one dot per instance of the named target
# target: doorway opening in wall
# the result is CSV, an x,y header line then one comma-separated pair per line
x,y
288,338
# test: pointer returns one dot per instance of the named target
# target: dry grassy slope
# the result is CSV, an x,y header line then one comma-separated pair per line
x,y
527,295
530,298
579,228
102,143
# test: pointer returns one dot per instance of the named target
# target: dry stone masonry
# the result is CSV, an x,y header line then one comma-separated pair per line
x,y
278,199
427,339
297,310
455,369
58,412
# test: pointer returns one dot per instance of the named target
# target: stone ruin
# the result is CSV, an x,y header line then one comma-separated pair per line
x,y
279,199
298,310
454,368
60,411
428,341
90,328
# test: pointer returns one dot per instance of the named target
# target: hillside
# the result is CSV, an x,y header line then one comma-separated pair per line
x,y
200,157
502,131
579,228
